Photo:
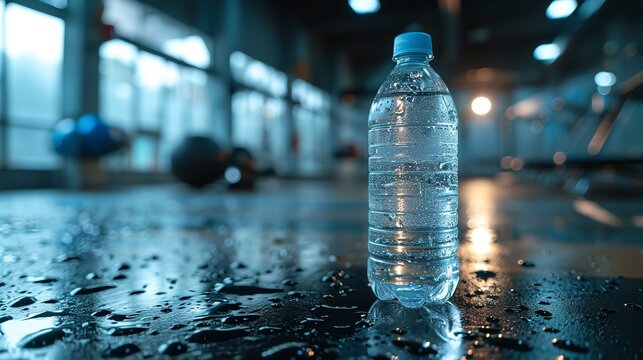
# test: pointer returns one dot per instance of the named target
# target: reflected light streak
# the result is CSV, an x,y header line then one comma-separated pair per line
x,y
15,330
478,197
638,221
398,269
595,212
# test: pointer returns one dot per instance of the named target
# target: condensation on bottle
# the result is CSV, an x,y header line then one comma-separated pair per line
x,y
413,181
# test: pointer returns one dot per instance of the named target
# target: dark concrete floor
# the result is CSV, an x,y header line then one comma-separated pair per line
x,y
279,273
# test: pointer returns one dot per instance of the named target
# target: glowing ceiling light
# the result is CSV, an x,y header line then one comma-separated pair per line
x,y
559,9
547,52
605,79
364,6
481,105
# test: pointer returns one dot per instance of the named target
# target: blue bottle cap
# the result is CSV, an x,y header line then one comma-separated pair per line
x,y
412,43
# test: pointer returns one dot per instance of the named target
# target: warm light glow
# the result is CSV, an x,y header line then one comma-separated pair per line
x,y
560,157
547,52
481,105
478,197
517,164
364,6
559,9
481,239
397,269
524,108
597,213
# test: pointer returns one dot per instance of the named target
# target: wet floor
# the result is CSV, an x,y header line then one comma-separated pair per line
x,y
279,273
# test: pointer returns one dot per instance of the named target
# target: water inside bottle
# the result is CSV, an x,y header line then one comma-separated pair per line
x,y
413,198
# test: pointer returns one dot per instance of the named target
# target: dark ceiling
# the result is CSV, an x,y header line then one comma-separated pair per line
x,y
497,36
475,34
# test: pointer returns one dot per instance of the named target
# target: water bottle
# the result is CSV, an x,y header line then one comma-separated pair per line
x,y
413,181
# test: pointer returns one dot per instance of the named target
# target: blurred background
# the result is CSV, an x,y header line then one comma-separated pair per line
x,y
547,90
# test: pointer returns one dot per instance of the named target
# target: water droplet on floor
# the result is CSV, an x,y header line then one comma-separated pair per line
x,y
119,317
244,289
568,345
44,314
525,263
92,276
208,336
288,282
126,330
42,338
269,329
296,294
489,330
398,331
607,311
123,351
289,350
23,301
240,319
91,289
173,348
238,265
484,274
41,279
505,342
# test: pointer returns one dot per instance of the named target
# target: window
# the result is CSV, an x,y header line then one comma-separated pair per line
x,y
116,86
157,101
61,4
34,55
149,26
253,73
259,117
151,75
312,128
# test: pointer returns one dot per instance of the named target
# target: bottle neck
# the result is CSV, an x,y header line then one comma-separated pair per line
x,y
413,59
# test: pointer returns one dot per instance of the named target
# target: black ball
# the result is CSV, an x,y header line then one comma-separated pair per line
x,y
198,161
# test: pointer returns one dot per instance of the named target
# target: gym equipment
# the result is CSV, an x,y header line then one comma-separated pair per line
x,y
241,173
198,161
88,137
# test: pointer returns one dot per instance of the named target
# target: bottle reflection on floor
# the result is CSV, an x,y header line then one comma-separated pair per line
x,y
420,331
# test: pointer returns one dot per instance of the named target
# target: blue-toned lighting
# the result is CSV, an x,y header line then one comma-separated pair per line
x,y
547,52
364,6
559,9
605,79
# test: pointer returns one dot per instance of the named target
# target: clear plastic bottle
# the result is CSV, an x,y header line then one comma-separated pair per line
x,y
413,181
